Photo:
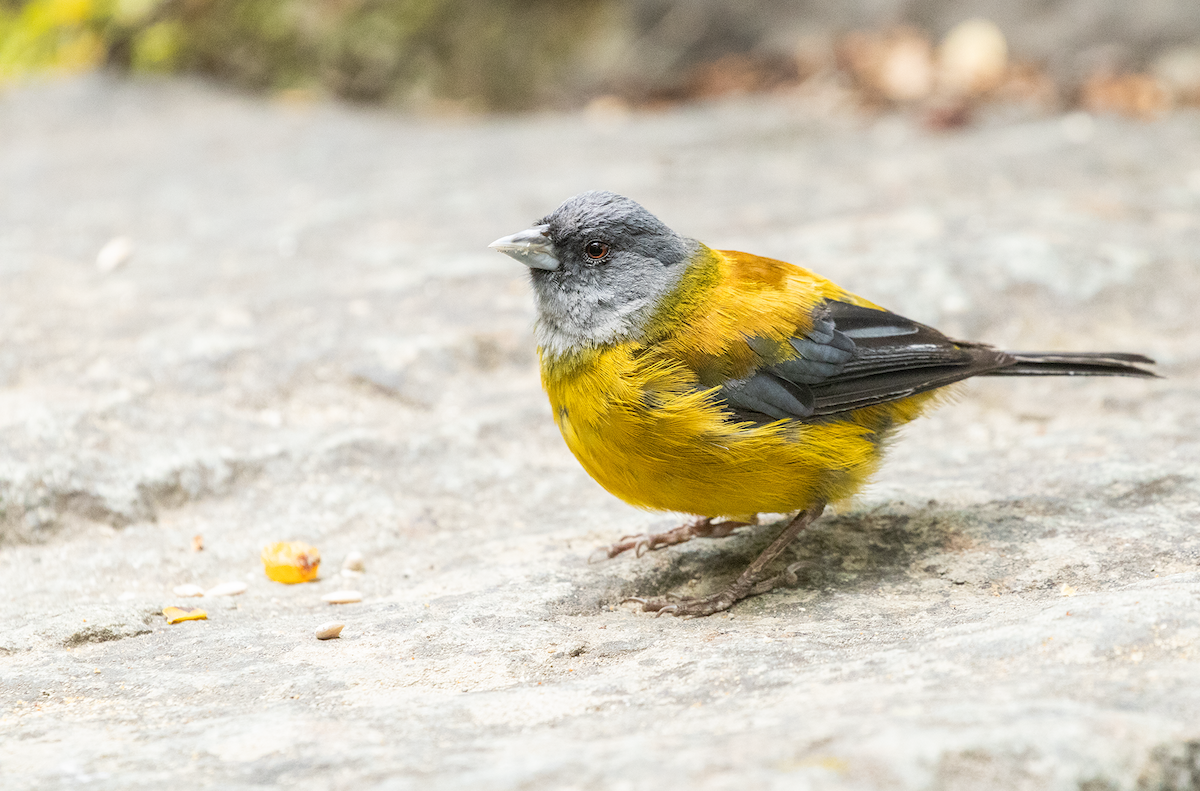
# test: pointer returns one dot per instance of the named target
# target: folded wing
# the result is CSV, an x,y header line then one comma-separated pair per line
x,y
856,357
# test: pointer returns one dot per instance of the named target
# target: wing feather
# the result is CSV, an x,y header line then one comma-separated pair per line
x,y
856,357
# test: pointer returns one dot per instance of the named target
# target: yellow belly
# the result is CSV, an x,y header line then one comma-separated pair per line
x,y
649,436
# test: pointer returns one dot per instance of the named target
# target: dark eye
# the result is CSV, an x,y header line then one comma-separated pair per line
x,y
596,250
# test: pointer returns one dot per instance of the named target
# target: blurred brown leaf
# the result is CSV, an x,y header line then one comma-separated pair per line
x,y
1134,95
896,66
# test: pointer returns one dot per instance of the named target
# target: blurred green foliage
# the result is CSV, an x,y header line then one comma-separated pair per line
x,y
51,35
477,53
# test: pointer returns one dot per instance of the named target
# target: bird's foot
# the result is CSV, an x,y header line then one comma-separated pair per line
x,y
752,582
645,542
699,607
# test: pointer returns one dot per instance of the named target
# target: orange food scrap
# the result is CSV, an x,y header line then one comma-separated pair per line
x,y
177,614
290,562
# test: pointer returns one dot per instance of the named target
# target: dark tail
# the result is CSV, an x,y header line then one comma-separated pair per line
x,y
1075,364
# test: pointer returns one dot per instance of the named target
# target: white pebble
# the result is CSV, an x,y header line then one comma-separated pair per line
x,y
227,589
342,597
188,590
354,561
328,631
115,252
973,57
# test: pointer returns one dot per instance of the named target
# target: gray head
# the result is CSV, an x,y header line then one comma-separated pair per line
x,y
600,264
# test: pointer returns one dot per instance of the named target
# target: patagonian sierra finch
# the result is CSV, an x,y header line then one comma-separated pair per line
x,y
723,384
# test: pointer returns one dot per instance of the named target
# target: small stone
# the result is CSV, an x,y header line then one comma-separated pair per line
x,y
328,631
115,252
907,73
188,590
973,57
227,589
354,561
342,597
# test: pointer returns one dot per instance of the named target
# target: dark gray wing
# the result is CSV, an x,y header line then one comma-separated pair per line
x,y
896,358
856,357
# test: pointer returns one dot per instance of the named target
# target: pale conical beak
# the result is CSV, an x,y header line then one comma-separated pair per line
x,y
532,247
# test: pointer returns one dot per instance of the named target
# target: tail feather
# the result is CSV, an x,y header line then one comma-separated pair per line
x,y
1075,364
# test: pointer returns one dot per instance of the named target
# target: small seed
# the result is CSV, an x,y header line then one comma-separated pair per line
x,y
354,561
328,631
188,590
227,589
342,597
114,253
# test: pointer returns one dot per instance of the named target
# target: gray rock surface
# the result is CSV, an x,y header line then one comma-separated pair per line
x,y
310,341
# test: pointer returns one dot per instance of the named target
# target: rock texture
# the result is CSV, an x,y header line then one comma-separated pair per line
x,y
310,341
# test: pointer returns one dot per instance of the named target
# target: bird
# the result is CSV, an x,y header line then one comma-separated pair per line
x,y
723,385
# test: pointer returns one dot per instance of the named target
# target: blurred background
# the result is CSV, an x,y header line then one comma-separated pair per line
x,y
452,56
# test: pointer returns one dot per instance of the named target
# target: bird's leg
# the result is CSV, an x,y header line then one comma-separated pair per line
x,y
752,582
644,542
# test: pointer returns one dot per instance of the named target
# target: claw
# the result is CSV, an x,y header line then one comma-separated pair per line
x,y
612,550
652,605
641,543
637,599
660,605
599,554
